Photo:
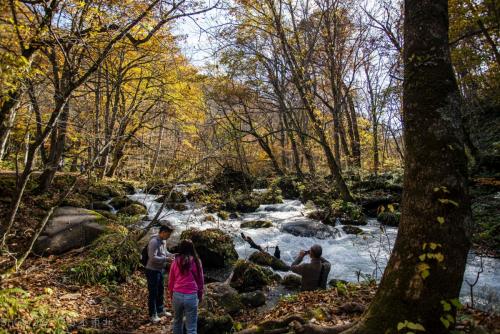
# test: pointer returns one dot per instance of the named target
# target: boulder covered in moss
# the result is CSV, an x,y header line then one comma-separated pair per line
x,y
158,187
70,228
215,248
175,197
319,191
210,323
350,229
253,299
103,191
322,215
272,195
77,200
256,224
247,277
389,218
242,202
266,259
133,209
221,295
230,179
224,215
292,282
348,213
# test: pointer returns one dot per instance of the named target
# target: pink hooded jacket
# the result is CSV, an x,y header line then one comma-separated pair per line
x,y
188,282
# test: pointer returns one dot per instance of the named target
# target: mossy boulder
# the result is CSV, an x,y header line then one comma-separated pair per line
x,y
195,192
103,191
253,299
242,202
248,277
177,206
133,209
221,295
319,191
292,282
175,197
209,323
158,187
350,229
322,215
215,248
266,259
224,215
121,202
256,224
230,179
77,200
209,218
348,213
389,218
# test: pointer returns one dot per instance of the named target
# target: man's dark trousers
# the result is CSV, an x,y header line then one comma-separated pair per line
x,y
156,288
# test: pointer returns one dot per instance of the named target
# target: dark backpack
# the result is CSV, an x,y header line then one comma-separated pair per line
x,y
145,255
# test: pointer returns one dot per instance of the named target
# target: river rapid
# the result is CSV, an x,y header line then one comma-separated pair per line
x,y
352,257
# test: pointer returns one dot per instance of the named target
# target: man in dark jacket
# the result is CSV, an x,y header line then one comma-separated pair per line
x,y
315,273
155,272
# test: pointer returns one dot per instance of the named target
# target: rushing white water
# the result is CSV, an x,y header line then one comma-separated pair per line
x,y
351,256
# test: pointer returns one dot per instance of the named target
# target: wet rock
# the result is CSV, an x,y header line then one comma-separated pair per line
x,y
307,228
215,248
103,192
349,229
230,179
234,215
177,206
209,218
133,209
266,259
248,277
292,282
175,197
322,215
256,224
253,299
389,218
221,295
224,215
209,323
68,229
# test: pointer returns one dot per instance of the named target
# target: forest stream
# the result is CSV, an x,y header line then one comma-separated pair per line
x,y
353,257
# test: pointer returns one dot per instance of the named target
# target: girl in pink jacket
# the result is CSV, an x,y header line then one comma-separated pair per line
x,y
185,287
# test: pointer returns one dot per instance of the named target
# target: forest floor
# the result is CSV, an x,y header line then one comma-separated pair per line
x,y
122,308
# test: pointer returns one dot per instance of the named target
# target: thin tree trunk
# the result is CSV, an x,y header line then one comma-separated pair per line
x,y
154,163
422,281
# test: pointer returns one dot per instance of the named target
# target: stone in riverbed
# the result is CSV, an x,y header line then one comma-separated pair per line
x,y
349,229
256,224
133,209
266,259
307,228
389,218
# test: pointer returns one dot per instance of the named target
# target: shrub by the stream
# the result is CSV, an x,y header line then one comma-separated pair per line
x,y
22,313
272,195
348,213
389,218
113,257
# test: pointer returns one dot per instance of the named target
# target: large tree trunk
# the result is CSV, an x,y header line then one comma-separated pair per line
x,y
423,277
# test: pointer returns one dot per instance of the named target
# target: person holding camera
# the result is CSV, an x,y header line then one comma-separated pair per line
x,y
315,273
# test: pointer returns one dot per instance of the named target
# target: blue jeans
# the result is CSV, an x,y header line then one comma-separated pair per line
x,y
156,289
185,305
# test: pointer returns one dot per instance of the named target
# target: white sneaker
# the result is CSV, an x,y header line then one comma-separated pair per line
x,y
164,314
154,319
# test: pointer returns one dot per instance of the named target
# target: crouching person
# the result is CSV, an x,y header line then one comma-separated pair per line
x,y
315,273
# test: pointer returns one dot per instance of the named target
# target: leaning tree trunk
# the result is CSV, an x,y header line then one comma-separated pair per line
x,y
422,280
